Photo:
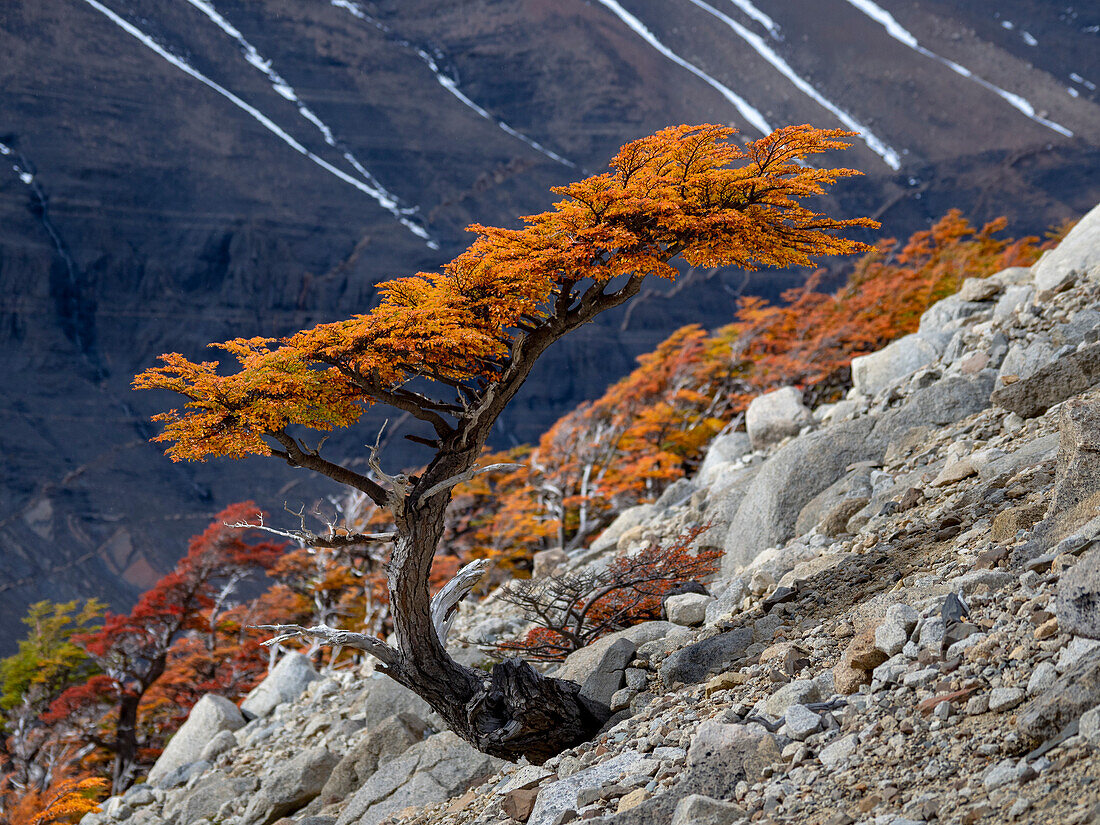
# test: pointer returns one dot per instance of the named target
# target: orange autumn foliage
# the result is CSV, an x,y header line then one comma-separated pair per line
x,y
652,427
688,191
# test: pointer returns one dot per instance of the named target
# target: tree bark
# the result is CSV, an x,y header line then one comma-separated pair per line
x,y
126,744
516,711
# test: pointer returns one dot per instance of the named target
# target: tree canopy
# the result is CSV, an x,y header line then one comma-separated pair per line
x,y
686,191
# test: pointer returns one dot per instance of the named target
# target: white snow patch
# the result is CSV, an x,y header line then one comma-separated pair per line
x,y
874,143
903,35
351,7
750,113
759,16
1088,84
451,86
384,198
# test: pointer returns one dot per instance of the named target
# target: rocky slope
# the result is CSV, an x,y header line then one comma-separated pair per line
x,y
186,172
905,629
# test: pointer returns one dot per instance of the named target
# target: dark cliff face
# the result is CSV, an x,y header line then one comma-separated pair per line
x,y
187,172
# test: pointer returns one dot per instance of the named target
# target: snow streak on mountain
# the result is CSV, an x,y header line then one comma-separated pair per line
x,y
899,33
748,112
369,186
447,82
889,156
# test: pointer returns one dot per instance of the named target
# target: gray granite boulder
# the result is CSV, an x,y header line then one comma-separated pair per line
x,y
290,786
878,370
696,809
775,415
1079,252
385,698
1078,601
722,450
1069,375
206,798
557,797
1075,691
210,716
606,676
431,771
1013,298
580,664
284,683
627,519
1076,496
696,662
386,741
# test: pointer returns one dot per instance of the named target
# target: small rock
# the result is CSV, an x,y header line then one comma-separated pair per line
x,y
1078,600
838,752
1003,773
801,722
687,609
1001,699
1089,726
633,799
519,803
1042,678
286,681
979,289
696,809
775,415
800,692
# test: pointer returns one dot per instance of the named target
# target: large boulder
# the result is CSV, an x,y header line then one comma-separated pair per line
x,y
1079,252
1012,299
1049,385
1076,691
720,756
210,716
798,471
557,797
290,786
943,316
775,415
1077,478
384,698
855,486
696,662
431,771
606,677
626,520
284,683
722,450
386,741
1023,360
787,481
729,753
581,664
205,799
725,493
878,370
1078,601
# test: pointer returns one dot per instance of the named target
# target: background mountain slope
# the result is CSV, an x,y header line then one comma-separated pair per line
x,y
186,172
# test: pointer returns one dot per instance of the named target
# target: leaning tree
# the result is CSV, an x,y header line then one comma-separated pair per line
x,y
452,349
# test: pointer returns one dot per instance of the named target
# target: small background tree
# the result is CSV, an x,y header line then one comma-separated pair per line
x,y
452,349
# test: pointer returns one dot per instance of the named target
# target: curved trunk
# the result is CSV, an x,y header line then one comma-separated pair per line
x,y
510,713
